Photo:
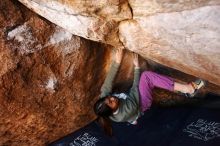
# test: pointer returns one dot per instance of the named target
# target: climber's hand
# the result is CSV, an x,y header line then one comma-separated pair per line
x,y
118,55
135,60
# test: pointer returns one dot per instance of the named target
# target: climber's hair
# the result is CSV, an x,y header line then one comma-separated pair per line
x,y
101,108
103,111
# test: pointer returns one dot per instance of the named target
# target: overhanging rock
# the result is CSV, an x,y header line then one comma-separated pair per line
x,y
95,20
183,35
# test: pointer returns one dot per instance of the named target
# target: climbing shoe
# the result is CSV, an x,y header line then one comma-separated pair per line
x,y
197,85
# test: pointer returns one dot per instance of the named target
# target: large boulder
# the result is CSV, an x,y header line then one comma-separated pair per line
x,y
50,78
47,76
183,35
95,20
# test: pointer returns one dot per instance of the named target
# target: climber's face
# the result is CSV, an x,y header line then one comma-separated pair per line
x,y
112,102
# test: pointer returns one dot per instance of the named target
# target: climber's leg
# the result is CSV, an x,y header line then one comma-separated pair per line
x,y
148,81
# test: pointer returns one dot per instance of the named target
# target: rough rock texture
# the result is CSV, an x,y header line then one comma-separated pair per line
x,y
181,34
47,78
95,20
188,40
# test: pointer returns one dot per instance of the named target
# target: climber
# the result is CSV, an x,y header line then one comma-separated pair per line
x,y
127,107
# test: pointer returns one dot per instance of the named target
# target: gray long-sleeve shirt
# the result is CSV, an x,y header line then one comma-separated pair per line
x,y
129,108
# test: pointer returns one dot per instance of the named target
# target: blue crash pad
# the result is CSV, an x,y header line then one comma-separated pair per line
x,y
173,126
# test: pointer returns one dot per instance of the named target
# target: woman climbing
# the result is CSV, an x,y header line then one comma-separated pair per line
x,y
127,107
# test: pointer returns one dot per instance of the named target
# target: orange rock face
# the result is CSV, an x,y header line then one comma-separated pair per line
x,y
46,78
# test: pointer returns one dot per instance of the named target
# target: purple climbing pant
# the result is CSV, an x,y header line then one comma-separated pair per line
x,y
148,81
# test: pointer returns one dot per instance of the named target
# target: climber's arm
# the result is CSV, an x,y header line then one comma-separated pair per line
x,y
108,83
136,71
